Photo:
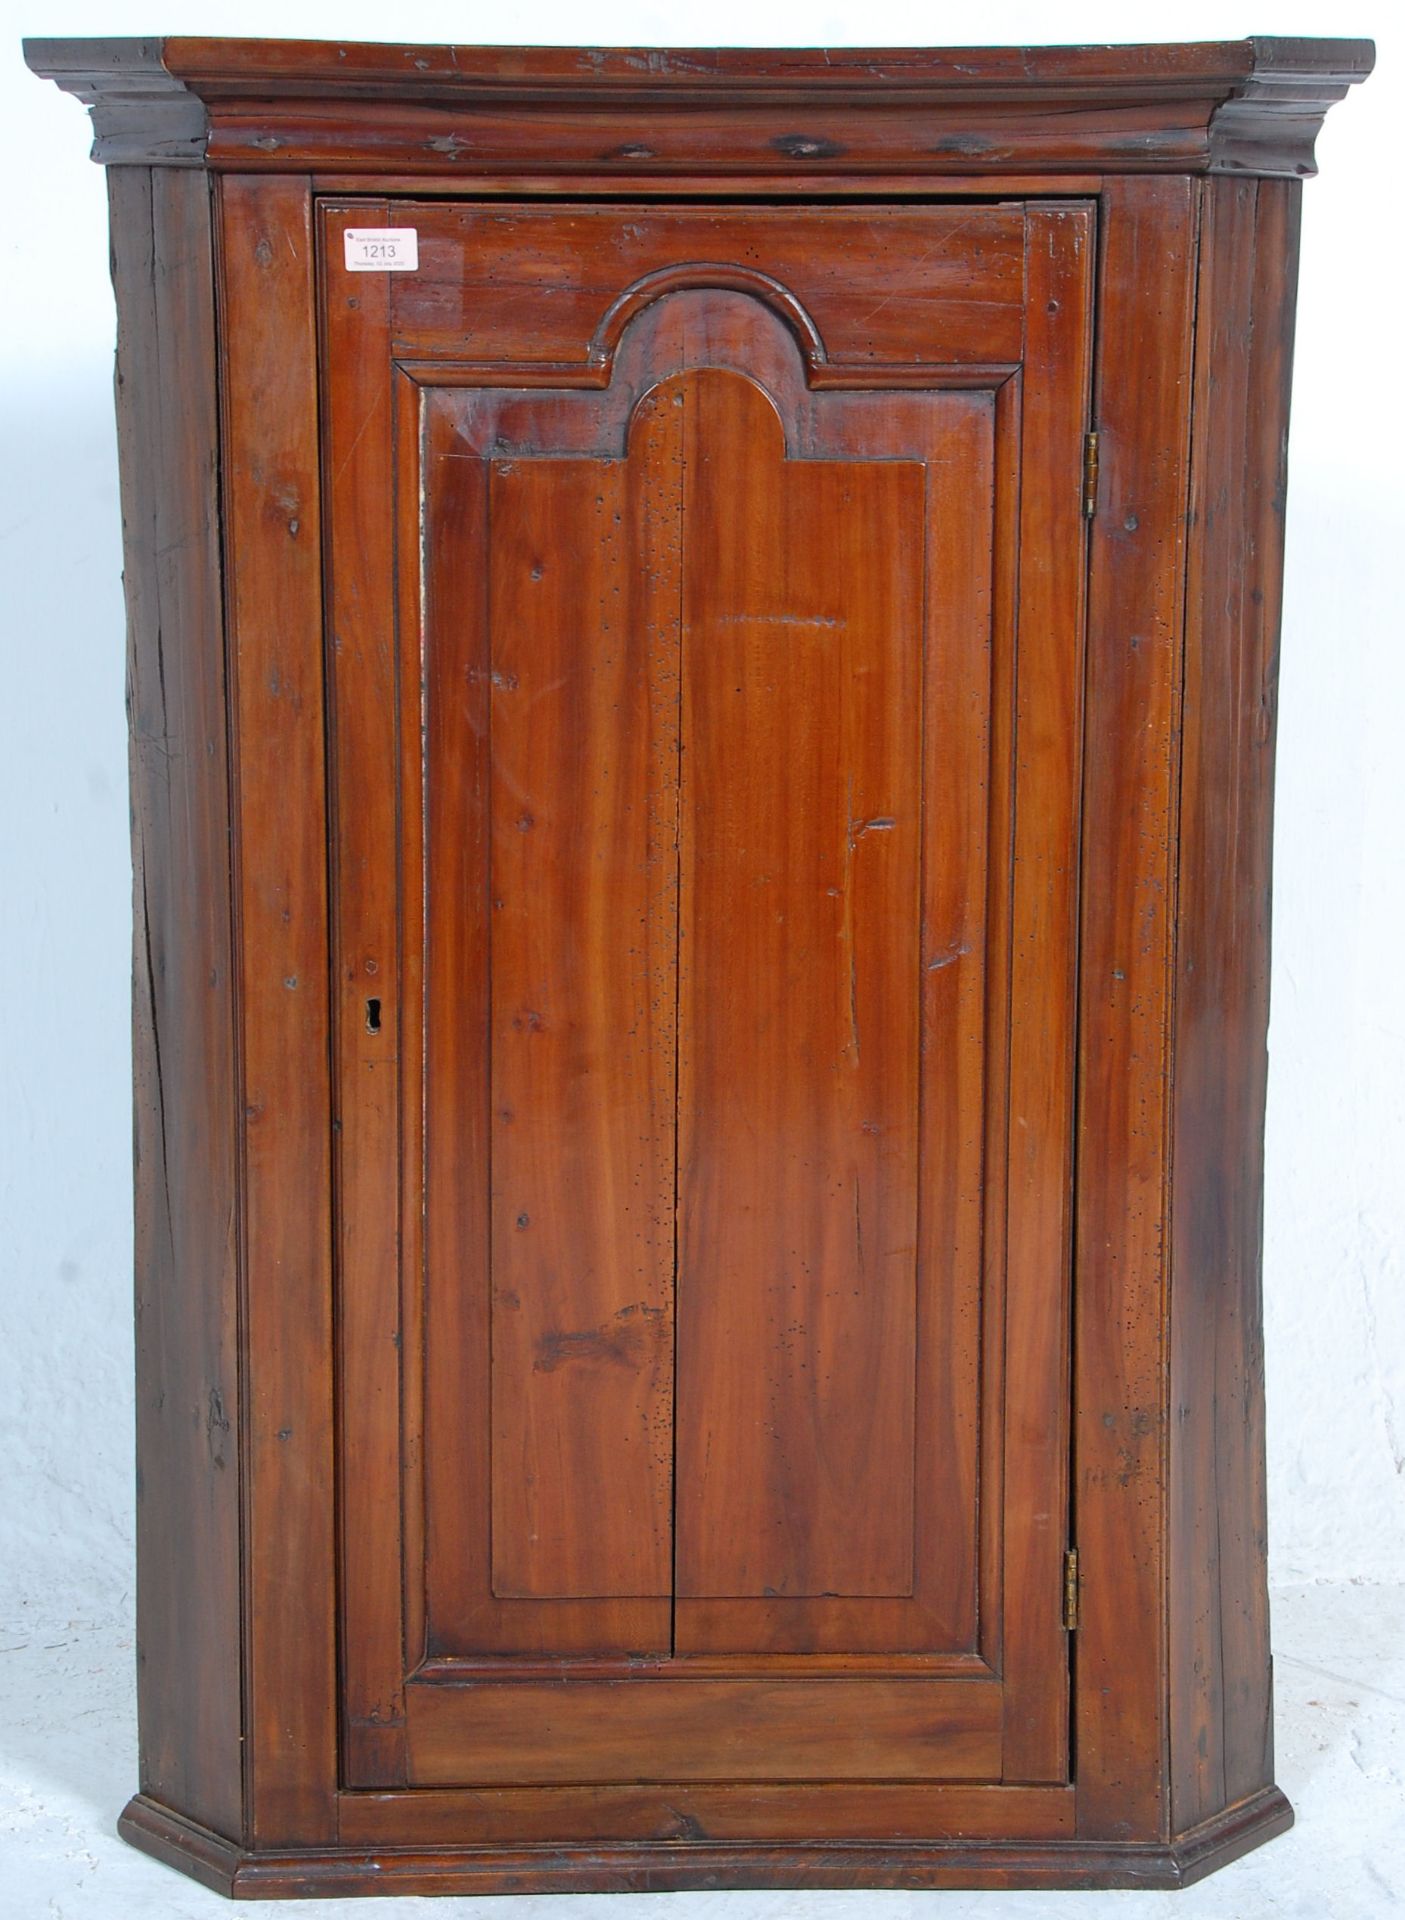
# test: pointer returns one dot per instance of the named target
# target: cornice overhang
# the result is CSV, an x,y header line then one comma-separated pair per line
x,y
1245,106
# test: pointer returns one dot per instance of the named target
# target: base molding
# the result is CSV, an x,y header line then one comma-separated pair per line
x,y
698,1865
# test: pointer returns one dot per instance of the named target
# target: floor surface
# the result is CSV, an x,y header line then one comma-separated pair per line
x,y
68,1762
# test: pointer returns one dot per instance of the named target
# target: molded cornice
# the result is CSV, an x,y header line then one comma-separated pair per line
x,y
1242,106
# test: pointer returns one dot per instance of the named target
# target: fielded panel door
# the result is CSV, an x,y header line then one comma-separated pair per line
x,y
705,615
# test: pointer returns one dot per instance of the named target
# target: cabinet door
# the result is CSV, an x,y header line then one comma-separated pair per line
x,y
705,656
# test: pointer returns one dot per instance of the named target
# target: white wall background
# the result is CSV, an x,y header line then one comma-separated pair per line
x,y
1336,1133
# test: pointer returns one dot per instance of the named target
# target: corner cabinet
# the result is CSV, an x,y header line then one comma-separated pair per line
x,y
702,648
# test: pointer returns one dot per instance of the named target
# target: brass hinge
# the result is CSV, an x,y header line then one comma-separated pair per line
x,y
1071,1590
1090,475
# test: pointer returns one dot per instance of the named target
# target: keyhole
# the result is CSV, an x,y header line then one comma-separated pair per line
x,y
373,1016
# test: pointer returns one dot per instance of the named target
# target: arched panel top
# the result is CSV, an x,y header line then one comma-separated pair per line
x,y
700,277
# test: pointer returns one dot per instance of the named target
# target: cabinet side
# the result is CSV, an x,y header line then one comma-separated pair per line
x,y
1221,1694
188,1497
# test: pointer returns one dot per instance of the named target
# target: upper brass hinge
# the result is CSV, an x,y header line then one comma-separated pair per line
x,y
1090,475
1071,1590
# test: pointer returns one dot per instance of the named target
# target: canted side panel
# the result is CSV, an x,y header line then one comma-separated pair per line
x,y
188,1419
1221,1699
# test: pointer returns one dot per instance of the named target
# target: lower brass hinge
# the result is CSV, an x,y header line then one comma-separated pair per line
x,y
1071,1590
1090,475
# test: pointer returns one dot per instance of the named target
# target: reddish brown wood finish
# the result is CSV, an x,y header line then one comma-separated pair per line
x,y
598,653
274,630
796,1810
1221,1704
185,1113
363,1472
1136,609
841,114
694,1862
836,902
1043,881
798,1022
363,715
726,1731
582,908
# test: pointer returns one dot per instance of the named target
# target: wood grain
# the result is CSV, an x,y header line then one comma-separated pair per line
x,y
798,991
834,115
960,1056
584,748
366,808
564,282
639,949
1221,1700
273,563
190,1428
554,730
867,1810
1044,884
498,1301
1135,615
679,1729
705,1865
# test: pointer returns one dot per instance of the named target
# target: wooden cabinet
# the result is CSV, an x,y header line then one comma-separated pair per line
x,y
702,669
